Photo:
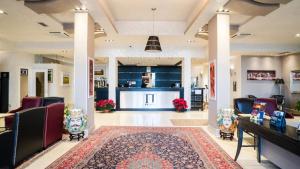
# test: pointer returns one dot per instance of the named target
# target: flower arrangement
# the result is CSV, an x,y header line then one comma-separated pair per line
x,y
180,105
105,105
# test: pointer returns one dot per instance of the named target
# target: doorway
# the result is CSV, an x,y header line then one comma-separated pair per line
x,y
38,83
23,83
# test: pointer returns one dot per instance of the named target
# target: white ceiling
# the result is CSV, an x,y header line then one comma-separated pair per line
x,y
277,28
129,22
21,24
140,10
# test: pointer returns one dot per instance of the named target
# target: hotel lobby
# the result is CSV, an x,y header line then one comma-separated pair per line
x,y
150,84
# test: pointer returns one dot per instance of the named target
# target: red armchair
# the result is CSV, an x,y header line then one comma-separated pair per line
x,y
27,103
53,123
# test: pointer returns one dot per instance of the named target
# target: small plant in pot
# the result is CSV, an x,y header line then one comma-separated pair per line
x,y
180,105
105,105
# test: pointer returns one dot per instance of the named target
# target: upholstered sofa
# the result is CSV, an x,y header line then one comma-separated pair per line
x,y
27,103
25,139
50,100
53,123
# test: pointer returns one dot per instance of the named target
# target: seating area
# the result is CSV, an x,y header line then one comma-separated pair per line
x,y
33,127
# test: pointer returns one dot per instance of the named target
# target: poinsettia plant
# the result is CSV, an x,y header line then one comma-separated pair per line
x,y
107,104
180,105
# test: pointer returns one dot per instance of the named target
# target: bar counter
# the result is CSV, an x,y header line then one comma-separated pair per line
x,y
147,99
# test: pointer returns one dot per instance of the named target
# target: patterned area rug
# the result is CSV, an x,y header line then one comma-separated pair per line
x,y
189,122
146,148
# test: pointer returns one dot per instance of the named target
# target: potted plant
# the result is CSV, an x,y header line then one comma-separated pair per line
x,y
105,105
180,105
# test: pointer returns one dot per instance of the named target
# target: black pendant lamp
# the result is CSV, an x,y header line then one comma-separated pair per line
x,y
153,44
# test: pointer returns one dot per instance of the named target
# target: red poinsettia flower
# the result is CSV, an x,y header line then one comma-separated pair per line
x,y
180,104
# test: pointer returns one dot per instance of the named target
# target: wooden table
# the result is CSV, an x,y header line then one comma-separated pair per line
x,y
287,138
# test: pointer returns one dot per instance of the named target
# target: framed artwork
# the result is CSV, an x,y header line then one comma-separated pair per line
x,y
50,75
24,72
99,70
212,80
65,78
261,74
91,77
295,74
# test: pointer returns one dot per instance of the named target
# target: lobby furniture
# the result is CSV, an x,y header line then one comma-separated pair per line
x,y
2,117
27,102
4,91
287,138
271,105
197,99
50,100
147,99
25,138
243,105
54,118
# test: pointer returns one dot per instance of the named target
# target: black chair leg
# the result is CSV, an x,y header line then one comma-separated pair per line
x,y
254,139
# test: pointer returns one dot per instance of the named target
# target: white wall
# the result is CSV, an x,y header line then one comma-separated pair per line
x,y
263,88
56,89
290,63
12,62
235,76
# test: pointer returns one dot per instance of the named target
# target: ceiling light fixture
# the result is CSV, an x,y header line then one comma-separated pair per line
x,y
222,10
298,35
153,44
2,12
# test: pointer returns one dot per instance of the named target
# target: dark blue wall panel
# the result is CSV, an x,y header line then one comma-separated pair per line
x,y
165,75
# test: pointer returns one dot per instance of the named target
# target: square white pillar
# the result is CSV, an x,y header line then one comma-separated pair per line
x,y
83,50
187,77
219,52
112,77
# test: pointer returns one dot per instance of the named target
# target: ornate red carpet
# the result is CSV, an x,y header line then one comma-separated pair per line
x,y
146,148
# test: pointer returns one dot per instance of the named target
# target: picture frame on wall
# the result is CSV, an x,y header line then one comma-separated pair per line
x,y
65,79
99,70
50,75
23,72
212,80
91,77
261,74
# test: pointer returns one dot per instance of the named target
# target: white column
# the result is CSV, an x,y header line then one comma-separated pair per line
x,y
112,77
219,51
187,77
83,49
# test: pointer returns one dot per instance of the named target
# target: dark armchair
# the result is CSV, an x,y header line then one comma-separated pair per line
x,y
50,100
25,138
53,123
27,103
243,105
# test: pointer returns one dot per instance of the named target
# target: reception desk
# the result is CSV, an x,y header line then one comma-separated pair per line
x,y
147,99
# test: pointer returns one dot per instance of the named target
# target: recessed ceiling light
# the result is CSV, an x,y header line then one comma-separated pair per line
x,y
2,12
298,35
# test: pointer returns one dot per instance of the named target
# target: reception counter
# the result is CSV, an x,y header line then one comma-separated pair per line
x,y
147,99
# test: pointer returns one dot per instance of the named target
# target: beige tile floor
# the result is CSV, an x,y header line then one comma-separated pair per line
x,y
247,157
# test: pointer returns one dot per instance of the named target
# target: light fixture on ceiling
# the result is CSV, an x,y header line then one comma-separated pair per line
x,y
298,35
222,10
81,9
2,12
109,40
153,44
